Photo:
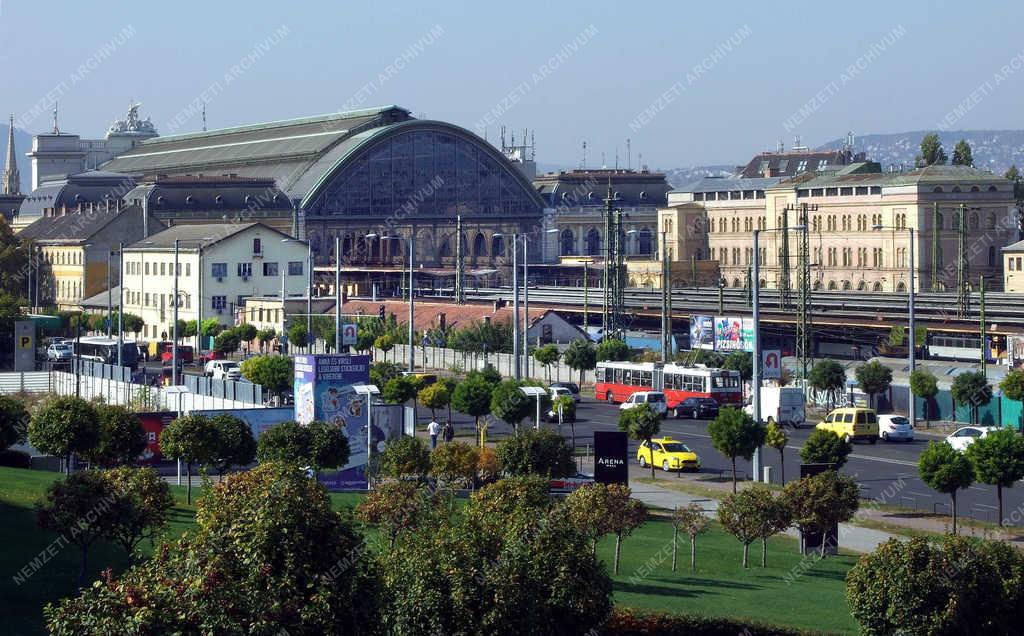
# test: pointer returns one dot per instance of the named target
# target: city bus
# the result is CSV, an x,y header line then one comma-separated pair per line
x,y
103,349
616,381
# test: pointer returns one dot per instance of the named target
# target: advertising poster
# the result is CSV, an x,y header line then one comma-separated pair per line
x,y
748,335
611,457
728,333
258,420
1015,351
153,424
702,332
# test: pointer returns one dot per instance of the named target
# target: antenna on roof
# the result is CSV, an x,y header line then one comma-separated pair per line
x,y
584,163
781,148
629,156
616,157
204,116
502,137
533,146
603,164
56,130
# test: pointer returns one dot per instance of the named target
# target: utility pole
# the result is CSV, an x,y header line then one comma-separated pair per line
x,y
666,296
526,307
586,295
750,298
460,269
936,246
721,295
337,294
803,329
110,323
981,321
613,265
120,303
515,306
963,293
174,324
412,298
785,288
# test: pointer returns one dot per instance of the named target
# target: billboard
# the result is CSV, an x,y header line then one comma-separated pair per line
x,y
258,419
702,332
1015,351
734,333
611,457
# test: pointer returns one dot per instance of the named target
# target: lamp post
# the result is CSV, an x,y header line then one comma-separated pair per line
x,y
337,294
412,301
368,390
515,306
176,300
110,309
756,353
120,303
911,414
536,392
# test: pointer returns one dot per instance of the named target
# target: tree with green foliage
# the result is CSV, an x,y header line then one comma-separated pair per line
x,y
14,419
775,437
489,374
827,375
998,460
121,437
381,372
434,396
741,361
186,328
401,389
642,424
191,439
819,502
227,342
1012,386
142,506
1013,174
536,452
971,388
754,513
264,336
472,396
924,385
327,446
962,155
486,336
455,464
385,343
932,153
394,506
64,426
297,334
211,327
600,509
317,445
825,447
707,357
131,323
581,355
79,507
235,445
735,434
512,406
692,521
946,470
954,585
612,349
547,356
246,332
873,378
405,458
274,373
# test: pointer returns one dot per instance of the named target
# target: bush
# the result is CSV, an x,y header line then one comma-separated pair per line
x,y
825,447
405,457
536,452
631,622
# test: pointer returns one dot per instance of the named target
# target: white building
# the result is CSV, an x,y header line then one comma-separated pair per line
x,y
219,266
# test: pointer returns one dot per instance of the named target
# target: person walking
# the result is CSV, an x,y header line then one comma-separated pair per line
x,y
432,430
448,432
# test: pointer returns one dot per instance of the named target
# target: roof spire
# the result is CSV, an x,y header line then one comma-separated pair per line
x,y
11,182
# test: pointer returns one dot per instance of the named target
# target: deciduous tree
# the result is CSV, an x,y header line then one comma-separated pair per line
x,y
874,378
399,390
405,458
395,506
827,375
191,439
455,464
642,424
998,460
80,508
819,502
434,396
740,515
64,426
13,421
235,444
142,507
546,356
962,155
472,396
971,388
1012,386
582,356
692,521
536,452
122,438
825,447
924,385
735,434
274,373
612,349
776,438
931,151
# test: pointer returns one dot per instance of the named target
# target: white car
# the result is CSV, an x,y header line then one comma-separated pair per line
x,y
654,399
895,428
961,438
59,352
223,370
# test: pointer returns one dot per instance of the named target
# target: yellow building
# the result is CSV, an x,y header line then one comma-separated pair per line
x,y
1013,267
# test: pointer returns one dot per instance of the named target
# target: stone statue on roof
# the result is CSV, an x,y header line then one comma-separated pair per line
x,y
131,124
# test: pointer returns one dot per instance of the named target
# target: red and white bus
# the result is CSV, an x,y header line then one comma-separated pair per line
x,y
616,381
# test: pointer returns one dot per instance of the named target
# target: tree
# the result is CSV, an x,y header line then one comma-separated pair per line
x,y
642,424
297,333
385,343
625,514
612,349
285,443
581,355
931,151
327,446
434,396
13,421
186,328
142,507
246,332
741,361
735,434
235,445
924,385
874,378
80,508
962,154
1013,174
827,375
1012,386
776,438
692,521
404,458
191,439
819,502
455,464
227,342
536,452
121,437
211,327
472,396
274,373
131,323
998,460
400,390
971,388
265,336
381,372
64,426
546,356
825,447
952,586
600,509
512,406
395,506
740,515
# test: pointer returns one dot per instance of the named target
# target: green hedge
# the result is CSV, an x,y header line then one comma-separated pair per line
x,y
628,622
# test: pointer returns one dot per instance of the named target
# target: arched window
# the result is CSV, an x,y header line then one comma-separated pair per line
x,y
736,283
937,189
445,251
938,255
992,188
975,189
593,242
846,285
831,285
568,243
817,285
956,189
901,287
861,285
497,246
644,244
974,221
877,287
479,245
938,221
991,222
991,255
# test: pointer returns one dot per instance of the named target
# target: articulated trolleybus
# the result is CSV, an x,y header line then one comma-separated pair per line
x,y
616,381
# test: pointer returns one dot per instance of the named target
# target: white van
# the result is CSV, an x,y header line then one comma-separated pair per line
x,y
782,405
654,399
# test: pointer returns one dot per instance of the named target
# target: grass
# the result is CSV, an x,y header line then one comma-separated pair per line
x,y
720,586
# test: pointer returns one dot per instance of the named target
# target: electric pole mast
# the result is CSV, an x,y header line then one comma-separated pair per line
x,y
460,268
613,265
803,325
963,292
785,287
936,246
981,320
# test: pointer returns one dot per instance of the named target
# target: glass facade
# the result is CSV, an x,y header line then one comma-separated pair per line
x,y
438,173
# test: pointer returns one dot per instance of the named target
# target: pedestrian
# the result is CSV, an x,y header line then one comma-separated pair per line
x,y
432,429
448,432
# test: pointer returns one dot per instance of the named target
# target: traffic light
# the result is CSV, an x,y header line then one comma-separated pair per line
x,y
380,312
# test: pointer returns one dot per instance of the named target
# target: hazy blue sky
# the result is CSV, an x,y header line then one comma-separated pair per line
x,y
573,71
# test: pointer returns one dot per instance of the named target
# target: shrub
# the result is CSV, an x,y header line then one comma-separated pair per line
x,y
536,452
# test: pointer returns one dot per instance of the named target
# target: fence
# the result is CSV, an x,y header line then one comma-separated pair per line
x,y
437,358
227,389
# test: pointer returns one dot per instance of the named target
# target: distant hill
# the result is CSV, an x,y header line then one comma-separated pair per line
x,y
994,150
678,177
22,144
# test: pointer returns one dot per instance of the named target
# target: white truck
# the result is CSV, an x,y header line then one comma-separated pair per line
x,y
782,405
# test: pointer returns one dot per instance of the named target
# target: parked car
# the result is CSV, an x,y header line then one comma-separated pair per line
x,y
961,438
667,453
568,412
59,352
222,370
852,423
572,387
893,428
185,352
697,408
655,399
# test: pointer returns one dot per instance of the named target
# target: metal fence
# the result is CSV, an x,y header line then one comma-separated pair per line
x,y
439,358
226,389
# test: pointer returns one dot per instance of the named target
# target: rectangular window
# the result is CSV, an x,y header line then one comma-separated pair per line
x,y
245,269
295,268
257,246
163,269
270,269
219,302
188,269
147,269
147,299
219,270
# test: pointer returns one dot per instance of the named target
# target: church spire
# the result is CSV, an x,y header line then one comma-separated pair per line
x,y
11,182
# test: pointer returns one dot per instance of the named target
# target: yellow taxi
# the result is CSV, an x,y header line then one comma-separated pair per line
x,y
852,423
668,453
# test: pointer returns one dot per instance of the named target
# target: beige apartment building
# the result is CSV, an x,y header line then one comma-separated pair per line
x,y
859,221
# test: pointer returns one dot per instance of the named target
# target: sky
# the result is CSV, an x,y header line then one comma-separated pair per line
x,y
687,83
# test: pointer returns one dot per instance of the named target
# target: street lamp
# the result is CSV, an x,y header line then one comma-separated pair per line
x,y
756,353
910,311
515,304
368,390
537,392
174,323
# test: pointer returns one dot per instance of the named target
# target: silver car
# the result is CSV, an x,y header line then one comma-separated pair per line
x,y
59,352
893,428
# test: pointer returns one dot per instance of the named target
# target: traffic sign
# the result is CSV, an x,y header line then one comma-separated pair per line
x,y
771,364
348,334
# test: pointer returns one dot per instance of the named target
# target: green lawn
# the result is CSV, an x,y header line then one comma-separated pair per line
x,y
813,600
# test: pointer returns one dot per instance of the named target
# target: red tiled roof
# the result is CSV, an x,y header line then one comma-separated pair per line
x,y
426,313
